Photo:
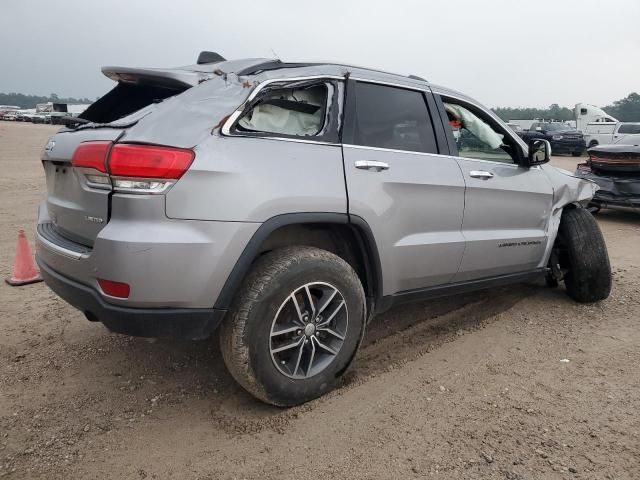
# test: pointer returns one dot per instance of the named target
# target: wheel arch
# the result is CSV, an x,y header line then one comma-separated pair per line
x,y
348,236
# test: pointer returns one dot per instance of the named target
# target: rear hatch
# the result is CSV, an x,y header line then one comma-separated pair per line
x,y
77,206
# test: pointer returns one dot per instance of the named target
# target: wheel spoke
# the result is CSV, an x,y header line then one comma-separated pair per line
x,y
311,303
313,354
288,346
335,312
295,370
285,330
328,301
325,347
331,332
298,311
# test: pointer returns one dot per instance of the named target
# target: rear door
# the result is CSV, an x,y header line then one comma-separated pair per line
x,y
411,196
507,207
627,134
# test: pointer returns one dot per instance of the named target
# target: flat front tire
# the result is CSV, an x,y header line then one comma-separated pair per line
x,y
295,325
583,255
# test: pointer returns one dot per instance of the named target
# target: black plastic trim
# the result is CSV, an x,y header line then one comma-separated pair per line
x,y
451,142
190,323
436,122
457,288
252,250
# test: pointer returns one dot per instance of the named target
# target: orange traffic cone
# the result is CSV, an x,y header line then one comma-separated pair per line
x,y
24,270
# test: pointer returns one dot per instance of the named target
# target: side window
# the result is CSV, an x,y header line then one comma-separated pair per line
x,y
629,128
298,112
476,136
394,118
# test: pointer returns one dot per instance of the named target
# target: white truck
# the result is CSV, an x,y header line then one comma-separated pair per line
x,y
600,128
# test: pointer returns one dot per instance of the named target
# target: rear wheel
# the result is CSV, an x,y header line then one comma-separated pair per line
x,y
295,325
593,143
582,257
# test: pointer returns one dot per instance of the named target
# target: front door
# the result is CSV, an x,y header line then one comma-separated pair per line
x,y
411,197
507,206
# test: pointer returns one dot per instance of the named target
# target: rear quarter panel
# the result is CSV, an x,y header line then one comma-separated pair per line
x,y
253,179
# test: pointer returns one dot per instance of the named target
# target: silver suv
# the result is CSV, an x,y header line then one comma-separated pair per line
x,y
289,203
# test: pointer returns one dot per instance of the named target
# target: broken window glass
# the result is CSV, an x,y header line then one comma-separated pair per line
x,y
288,111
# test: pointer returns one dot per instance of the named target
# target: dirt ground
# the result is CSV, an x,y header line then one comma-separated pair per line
x,y
512,383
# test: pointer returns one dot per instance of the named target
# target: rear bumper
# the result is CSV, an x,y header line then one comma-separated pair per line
x,y
191,323
180,264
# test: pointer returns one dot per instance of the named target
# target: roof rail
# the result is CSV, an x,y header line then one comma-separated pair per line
x,y
277,64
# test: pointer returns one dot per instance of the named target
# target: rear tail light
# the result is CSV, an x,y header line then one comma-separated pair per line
x,y
132,168
91,155
114,289
148,161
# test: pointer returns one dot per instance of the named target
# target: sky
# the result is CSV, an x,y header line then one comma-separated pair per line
x,y
502,52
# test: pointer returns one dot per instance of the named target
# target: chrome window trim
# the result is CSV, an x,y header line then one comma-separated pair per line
x,y
393,150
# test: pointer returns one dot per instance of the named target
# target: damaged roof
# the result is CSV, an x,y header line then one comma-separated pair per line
x,y
262,68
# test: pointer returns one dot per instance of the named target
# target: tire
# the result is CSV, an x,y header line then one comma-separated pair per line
x,y
593,143
584,257
264,305
576,154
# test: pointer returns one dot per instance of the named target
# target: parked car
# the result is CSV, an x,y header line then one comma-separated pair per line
x,y
616,170
8,116
516,128
563,138
289,203
623,133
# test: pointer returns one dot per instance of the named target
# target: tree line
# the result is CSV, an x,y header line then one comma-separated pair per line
x,y
29,101
625,110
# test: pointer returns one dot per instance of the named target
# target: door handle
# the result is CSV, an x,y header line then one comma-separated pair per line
x,y
480,174
372,165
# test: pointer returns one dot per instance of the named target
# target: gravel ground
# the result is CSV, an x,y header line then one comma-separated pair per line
x,y
511,383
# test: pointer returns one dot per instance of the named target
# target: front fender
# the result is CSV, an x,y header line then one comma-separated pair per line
x,y
567,190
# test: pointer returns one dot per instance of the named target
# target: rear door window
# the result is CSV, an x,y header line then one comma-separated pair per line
x,y
293,110
391,118
629,128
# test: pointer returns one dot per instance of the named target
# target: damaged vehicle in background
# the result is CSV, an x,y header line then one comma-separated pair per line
x,y
289,203
616,170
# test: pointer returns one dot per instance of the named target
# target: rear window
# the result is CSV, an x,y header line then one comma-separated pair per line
x,y
127,98
630,128
393,118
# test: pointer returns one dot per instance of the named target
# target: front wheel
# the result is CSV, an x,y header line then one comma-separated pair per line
x,y
582,256
576,154
295,325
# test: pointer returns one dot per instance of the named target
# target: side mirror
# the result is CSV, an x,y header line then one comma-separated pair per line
x,y
539,152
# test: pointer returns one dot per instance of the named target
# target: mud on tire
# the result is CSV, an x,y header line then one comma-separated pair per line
x,y
583,253
248,333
